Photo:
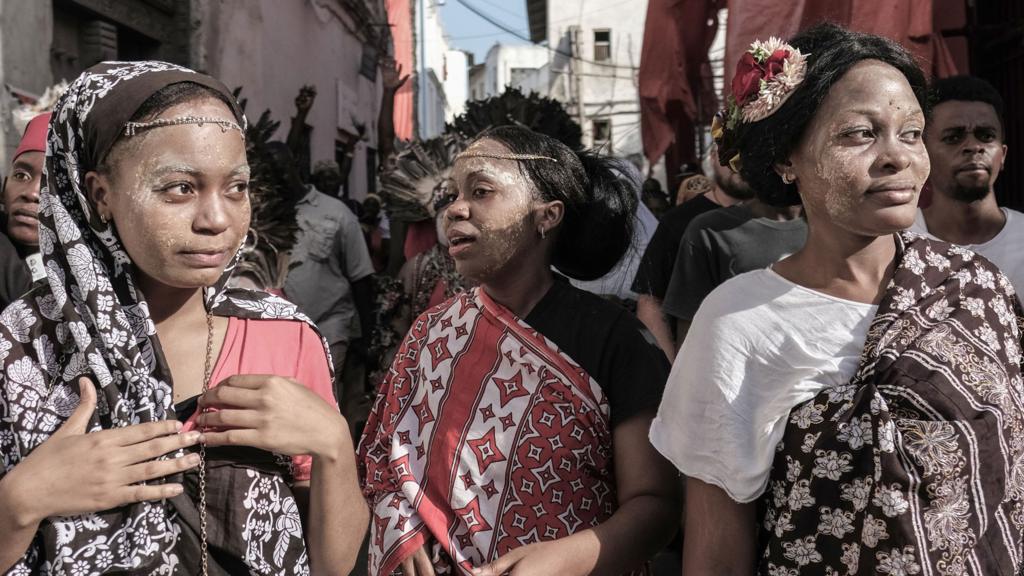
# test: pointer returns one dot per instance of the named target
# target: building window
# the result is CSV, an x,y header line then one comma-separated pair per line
x,y
516,76
602,45
602,133
368,63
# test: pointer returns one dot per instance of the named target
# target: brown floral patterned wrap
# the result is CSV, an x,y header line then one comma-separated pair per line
x,y
917,465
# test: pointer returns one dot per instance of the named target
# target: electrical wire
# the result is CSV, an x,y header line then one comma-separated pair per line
x,y
513,32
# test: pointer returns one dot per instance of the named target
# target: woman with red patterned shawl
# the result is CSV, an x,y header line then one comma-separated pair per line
x,y
510,433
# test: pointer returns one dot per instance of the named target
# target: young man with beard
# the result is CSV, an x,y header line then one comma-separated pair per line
x,y
965,140
21,263
655,271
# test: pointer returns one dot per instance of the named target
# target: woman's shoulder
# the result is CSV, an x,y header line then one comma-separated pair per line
x,y
285,347
744,294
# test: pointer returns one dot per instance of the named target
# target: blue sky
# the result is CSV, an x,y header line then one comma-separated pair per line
x,y
469,32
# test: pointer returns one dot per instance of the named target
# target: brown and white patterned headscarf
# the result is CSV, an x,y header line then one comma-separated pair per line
x,y
89,318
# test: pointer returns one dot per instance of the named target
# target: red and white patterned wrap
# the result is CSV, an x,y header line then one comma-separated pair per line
x,y
483,438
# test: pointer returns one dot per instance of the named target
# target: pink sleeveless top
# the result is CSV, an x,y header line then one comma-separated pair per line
x,y
280,347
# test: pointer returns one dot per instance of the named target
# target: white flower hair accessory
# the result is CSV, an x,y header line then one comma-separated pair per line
x,y
766,76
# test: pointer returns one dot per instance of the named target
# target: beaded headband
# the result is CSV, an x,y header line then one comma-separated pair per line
x,y
131,128
504,156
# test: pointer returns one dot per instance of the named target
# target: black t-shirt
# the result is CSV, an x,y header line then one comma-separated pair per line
x,y
655,269
15,279
608,342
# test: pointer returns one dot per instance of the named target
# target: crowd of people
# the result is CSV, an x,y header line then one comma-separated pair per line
x,y
820,374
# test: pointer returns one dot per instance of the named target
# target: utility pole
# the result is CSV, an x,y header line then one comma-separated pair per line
x,y
575,70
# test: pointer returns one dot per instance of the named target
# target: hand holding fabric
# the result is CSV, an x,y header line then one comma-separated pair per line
x,y
272,413
418,563
74,472
552,557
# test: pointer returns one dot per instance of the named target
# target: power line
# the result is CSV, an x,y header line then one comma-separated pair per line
x,y
509,29
477,36
505,10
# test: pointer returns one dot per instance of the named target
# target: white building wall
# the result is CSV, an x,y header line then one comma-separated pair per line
x,y
504,59
272,48
478,82
607,92
26,33
446,70
456,83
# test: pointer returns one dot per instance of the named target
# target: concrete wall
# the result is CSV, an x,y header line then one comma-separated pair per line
x,y
503,58
456,83
271,48
443,90
607,92
26,33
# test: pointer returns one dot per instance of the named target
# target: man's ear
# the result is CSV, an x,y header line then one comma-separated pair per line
x,y
548,216
97,190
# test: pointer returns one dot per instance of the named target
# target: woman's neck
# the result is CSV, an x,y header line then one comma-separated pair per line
x,y
843,264
521,289
169,305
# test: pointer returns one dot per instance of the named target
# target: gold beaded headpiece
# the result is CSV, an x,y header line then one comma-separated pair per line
x,y
131,128
504,156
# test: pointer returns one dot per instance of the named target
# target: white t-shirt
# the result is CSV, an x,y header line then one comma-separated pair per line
x,y
1005,250
758,346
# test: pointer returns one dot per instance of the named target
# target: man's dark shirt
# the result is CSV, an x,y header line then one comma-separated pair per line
x,y
655,270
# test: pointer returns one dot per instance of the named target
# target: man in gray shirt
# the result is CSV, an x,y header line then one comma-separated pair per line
x,y
329,278
723,243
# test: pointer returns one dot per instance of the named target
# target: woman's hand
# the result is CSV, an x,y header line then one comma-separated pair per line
x,y
540,558
77,473
272,413
418,563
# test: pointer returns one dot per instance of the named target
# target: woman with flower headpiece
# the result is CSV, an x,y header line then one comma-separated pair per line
x,y
510,434
860,401
151,420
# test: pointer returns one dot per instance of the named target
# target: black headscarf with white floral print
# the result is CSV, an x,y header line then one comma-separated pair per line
x,y
89,318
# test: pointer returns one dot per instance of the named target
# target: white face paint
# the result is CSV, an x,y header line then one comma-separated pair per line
x,y
179,198
490,225
862,162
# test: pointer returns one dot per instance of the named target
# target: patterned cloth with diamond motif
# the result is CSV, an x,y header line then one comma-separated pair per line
x,y
484,438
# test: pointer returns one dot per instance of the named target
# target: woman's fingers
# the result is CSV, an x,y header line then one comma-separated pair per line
x,y
248,381
424,567
158,447
500,566
145,493
233,438
159,468
79,419
231,396
229,418
131,435
408,568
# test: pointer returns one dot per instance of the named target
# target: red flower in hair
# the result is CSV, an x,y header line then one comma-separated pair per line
x,y
747,80
773,65
749,73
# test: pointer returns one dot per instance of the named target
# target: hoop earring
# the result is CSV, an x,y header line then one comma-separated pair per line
x,y
543,233
252,238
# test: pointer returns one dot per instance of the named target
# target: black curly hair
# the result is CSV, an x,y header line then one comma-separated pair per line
x,y
832,51
967,89
600,201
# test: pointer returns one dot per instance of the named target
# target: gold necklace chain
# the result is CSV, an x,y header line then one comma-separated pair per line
x,y
203,546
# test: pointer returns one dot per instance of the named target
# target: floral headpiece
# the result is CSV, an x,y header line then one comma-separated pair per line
x,y
766,75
